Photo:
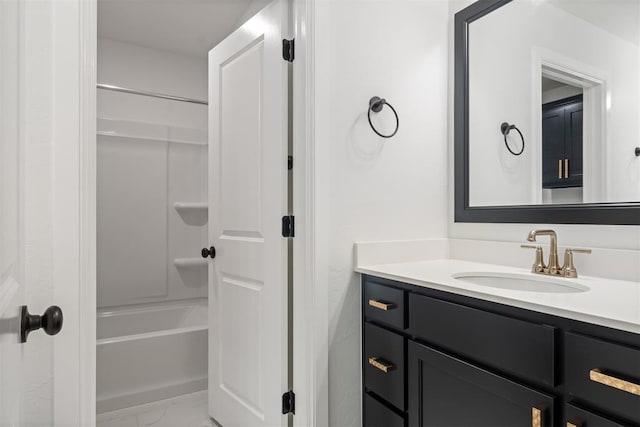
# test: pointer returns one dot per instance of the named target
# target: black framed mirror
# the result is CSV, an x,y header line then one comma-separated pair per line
x,y
567,154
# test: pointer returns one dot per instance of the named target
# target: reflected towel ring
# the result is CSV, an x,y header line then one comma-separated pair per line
x,y
375,104
505,128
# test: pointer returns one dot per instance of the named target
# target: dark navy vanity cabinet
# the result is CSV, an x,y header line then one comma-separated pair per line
x,y
562,125
437,359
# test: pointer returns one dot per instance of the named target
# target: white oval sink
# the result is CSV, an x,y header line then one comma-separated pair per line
x,y
522,282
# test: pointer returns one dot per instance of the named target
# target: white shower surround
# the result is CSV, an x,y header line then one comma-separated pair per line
x,y
147,174
151,352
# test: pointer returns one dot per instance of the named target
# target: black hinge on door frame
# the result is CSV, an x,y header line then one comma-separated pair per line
x,y
288,50
290,162
289,403
288,226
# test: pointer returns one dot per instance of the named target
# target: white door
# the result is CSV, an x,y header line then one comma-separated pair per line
x,y
248,197
39,378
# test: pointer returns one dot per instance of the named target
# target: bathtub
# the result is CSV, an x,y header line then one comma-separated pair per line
x,y
150,352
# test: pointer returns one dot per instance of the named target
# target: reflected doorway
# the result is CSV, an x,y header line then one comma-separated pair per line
x,y
562,131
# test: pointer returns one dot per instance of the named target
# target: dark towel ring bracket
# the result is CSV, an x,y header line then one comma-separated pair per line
x,y
375,104
505,128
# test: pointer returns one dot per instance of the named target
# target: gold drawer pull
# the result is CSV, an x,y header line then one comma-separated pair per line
x,y
536,417
597,376
384,366
566,168
381,305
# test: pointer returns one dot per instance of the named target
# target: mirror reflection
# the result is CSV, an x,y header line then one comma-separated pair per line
x,y
554,114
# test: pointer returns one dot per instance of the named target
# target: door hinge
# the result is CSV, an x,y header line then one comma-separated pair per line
x,y
288,50
288,229
289,403
290,162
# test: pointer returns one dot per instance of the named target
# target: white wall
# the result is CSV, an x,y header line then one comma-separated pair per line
x,y
136,67
254,7
562,195
594,236
370,188
140,233
500,89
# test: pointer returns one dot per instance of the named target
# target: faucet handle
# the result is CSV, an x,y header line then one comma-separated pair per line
x,y
538,266
579,250
568,269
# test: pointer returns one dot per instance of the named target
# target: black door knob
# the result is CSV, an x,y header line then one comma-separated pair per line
x,y
50,321
209,252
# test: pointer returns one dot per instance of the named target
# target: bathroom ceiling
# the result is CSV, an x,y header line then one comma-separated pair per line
x,y
549,84
190,27
618,17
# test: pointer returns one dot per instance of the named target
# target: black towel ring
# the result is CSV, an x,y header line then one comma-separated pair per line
x,y
505,128
375,104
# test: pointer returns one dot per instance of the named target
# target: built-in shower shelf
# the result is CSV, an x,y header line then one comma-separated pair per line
x,y
191,206
190,262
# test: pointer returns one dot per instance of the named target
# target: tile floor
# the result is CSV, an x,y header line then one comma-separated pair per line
x,y
189,410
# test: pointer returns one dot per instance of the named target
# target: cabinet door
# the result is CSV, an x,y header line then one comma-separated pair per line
x,y
445,392
552,146
562,143
573,145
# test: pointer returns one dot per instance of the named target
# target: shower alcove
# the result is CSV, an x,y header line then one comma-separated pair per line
x,y
151,225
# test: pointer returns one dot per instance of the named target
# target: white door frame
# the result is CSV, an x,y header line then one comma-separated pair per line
x,y
88,212
310,307
74,31
310,313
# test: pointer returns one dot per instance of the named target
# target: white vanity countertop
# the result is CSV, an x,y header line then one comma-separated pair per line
x,y
608,302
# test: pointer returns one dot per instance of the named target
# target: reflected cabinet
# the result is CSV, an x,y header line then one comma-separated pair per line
x,y
562,143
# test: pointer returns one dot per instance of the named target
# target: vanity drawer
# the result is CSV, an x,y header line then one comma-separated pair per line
x,y
603,373
510,345
384,356
378,415
577,417
384,304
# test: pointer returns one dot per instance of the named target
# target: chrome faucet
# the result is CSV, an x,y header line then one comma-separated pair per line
x,y
553,268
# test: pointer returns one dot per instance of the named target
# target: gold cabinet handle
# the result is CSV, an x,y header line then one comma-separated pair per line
x,y
381,305
560,169
597,376
566,168
381,364
536,417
